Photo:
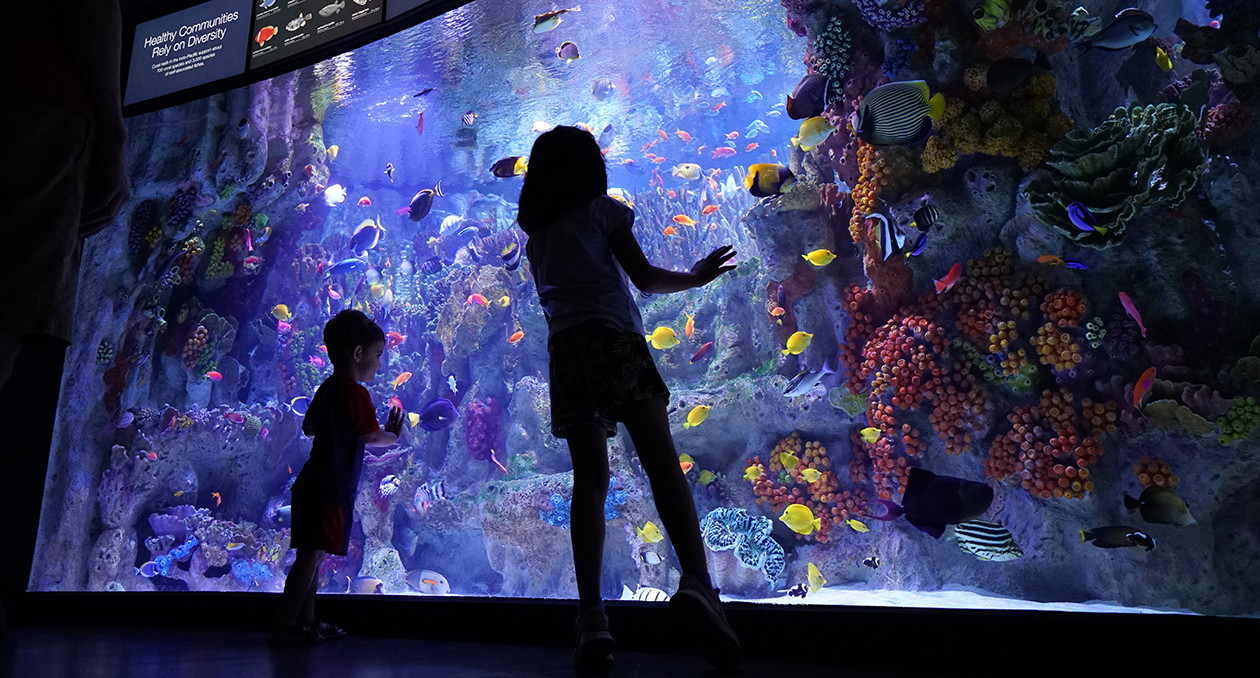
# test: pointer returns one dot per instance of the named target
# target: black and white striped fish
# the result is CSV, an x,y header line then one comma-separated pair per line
x,y
898,113
926,217
987,540
469,118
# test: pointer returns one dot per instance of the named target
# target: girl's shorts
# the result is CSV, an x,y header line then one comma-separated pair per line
x,y
595,367
321,526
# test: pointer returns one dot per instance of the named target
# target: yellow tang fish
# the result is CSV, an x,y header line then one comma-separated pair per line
x,y
797,343
800,519
332,152
816,580
752,473
857,525
697,415
706,476
662,337
813,131
650,533
811,475
870,434
1161,58
789,460
819,257
281,312
413,418
504,301
377,289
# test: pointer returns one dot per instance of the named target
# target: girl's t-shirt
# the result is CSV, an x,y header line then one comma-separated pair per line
x,y
577,275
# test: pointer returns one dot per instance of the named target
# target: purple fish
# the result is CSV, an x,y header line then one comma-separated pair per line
x,y
1083,219
438,414
931,502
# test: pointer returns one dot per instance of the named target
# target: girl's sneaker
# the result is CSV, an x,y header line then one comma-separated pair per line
x,y
298,634
700,605
594,643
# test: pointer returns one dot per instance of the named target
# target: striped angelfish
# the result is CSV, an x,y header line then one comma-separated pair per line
x,y
987,540
898,113
644,593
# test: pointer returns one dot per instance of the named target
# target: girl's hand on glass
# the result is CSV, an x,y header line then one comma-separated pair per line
x,y
710,267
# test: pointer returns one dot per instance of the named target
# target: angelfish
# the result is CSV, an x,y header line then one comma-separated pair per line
x,y
931,502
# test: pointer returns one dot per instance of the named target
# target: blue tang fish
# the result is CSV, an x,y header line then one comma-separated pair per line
x,y
347,266
438,414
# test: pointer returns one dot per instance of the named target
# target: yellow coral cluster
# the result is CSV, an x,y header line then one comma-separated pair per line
x,y
1020,124
1056,348
195,345
938,155
870,177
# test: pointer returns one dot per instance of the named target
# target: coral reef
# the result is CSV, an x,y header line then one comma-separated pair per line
x,y
830,51
1156,472
910,14
1225,124
778,486
1239,421
1018,124
1138,157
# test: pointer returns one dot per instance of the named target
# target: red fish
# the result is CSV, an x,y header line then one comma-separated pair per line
x,y
516,336
709,209
478,299
662,134
671,193
944,284
213,376
317,362
723,152
682,135
1129,308
235,417
718,106
419,128
396,339
253,260
751,147
702,353
700,150
365,201
403,210
1143,386
1050,259
267,33
332,294
218,498
733,136
395,402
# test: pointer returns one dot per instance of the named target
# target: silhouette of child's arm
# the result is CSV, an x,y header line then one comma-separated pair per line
x,y
656,280
388,436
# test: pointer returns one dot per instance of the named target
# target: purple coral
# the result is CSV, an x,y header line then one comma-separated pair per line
x,y
482,429
909,15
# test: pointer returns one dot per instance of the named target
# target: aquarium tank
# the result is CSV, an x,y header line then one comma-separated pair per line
x,y
991,340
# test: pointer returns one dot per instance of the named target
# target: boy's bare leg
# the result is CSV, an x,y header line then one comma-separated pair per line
x,y
589,450
298,584
647,422
307,617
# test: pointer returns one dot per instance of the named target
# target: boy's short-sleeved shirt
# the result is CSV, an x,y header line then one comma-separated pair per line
x,y
339,414
576,273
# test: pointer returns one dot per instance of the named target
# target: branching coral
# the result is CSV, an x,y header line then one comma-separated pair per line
x,y
1138,157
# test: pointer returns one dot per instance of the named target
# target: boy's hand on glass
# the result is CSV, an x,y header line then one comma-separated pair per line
x,y
712,266
394,424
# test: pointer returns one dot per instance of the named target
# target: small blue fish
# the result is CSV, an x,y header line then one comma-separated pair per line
x,y
300,405
1083,219
918,247
898,114
347,266
1076,264
438,414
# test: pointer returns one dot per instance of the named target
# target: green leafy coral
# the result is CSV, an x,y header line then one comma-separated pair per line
x,y
1138,157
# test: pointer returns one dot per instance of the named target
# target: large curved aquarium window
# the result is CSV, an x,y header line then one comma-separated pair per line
x,y
989,342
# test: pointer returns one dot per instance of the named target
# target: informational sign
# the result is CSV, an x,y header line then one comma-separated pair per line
x,y
283,28
188,48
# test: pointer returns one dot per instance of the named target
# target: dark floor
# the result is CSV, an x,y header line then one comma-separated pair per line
x,y
147,653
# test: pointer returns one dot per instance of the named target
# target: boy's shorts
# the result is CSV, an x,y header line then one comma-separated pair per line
x,y
321,526
596,366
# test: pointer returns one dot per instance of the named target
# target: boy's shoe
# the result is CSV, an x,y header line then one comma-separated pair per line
x,y
330,631
298,634
594,643
700,605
